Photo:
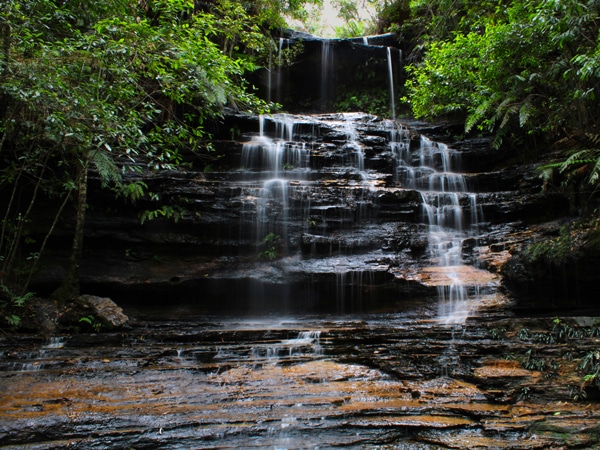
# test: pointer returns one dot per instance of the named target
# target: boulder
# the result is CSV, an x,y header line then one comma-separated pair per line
x,y
104,310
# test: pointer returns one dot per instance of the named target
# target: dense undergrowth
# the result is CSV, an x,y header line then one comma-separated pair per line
x,y
560,349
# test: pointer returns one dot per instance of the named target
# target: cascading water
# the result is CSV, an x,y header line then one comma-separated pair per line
x,y
274,72
281,182
271,162
444,197
326,66
282,191
307,344
391,78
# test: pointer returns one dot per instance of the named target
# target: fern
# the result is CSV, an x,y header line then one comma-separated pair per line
x,y
169,212
595,172
526,111
133,191
479,114
584,162
107,169
586,157
593,138
510,111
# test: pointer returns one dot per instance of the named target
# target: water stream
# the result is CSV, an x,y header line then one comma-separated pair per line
x,y
444,192
391,78
326,81
279,172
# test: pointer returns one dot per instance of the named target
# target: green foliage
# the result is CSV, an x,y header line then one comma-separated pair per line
x,y
580,168
269,254
271,241
532,362
556,338
353,28
91,322
554,252
491,78
115,86
497,334
590,363
518,70
173,212
371,102
352,14
13,305
580,235
13,320
524,393
134,190
589,367
15,299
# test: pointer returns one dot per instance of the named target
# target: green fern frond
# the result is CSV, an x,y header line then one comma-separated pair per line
x,y
547,170
478,115
595,173
498,138
107,169
508,114
593,138
526,111
580,157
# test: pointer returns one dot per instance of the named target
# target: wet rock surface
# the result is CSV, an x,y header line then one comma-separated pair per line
x,y
335,203
314,232
396,379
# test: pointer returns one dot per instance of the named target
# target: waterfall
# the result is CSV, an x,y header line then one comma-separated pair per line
x,y
353,147
307,346
430,170
326,65
272,156
443,191
274,71
391,78
279,69
399,141
331,201
270,75
274,192
271,159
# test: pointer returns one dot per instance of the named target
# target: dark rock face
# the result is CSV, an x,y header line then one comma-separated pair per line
x,y
327,73
559,282
324,218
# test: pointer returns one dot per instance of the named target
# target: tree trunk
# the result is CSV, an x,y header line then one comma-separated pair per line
x,y
69,288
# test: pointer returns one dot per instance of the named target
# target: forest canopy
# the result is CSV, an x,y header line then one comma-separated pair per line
x,y
514,68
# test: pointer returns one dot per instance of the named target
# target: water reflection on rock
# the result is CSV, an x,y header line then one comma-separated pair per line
x,y
385,380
